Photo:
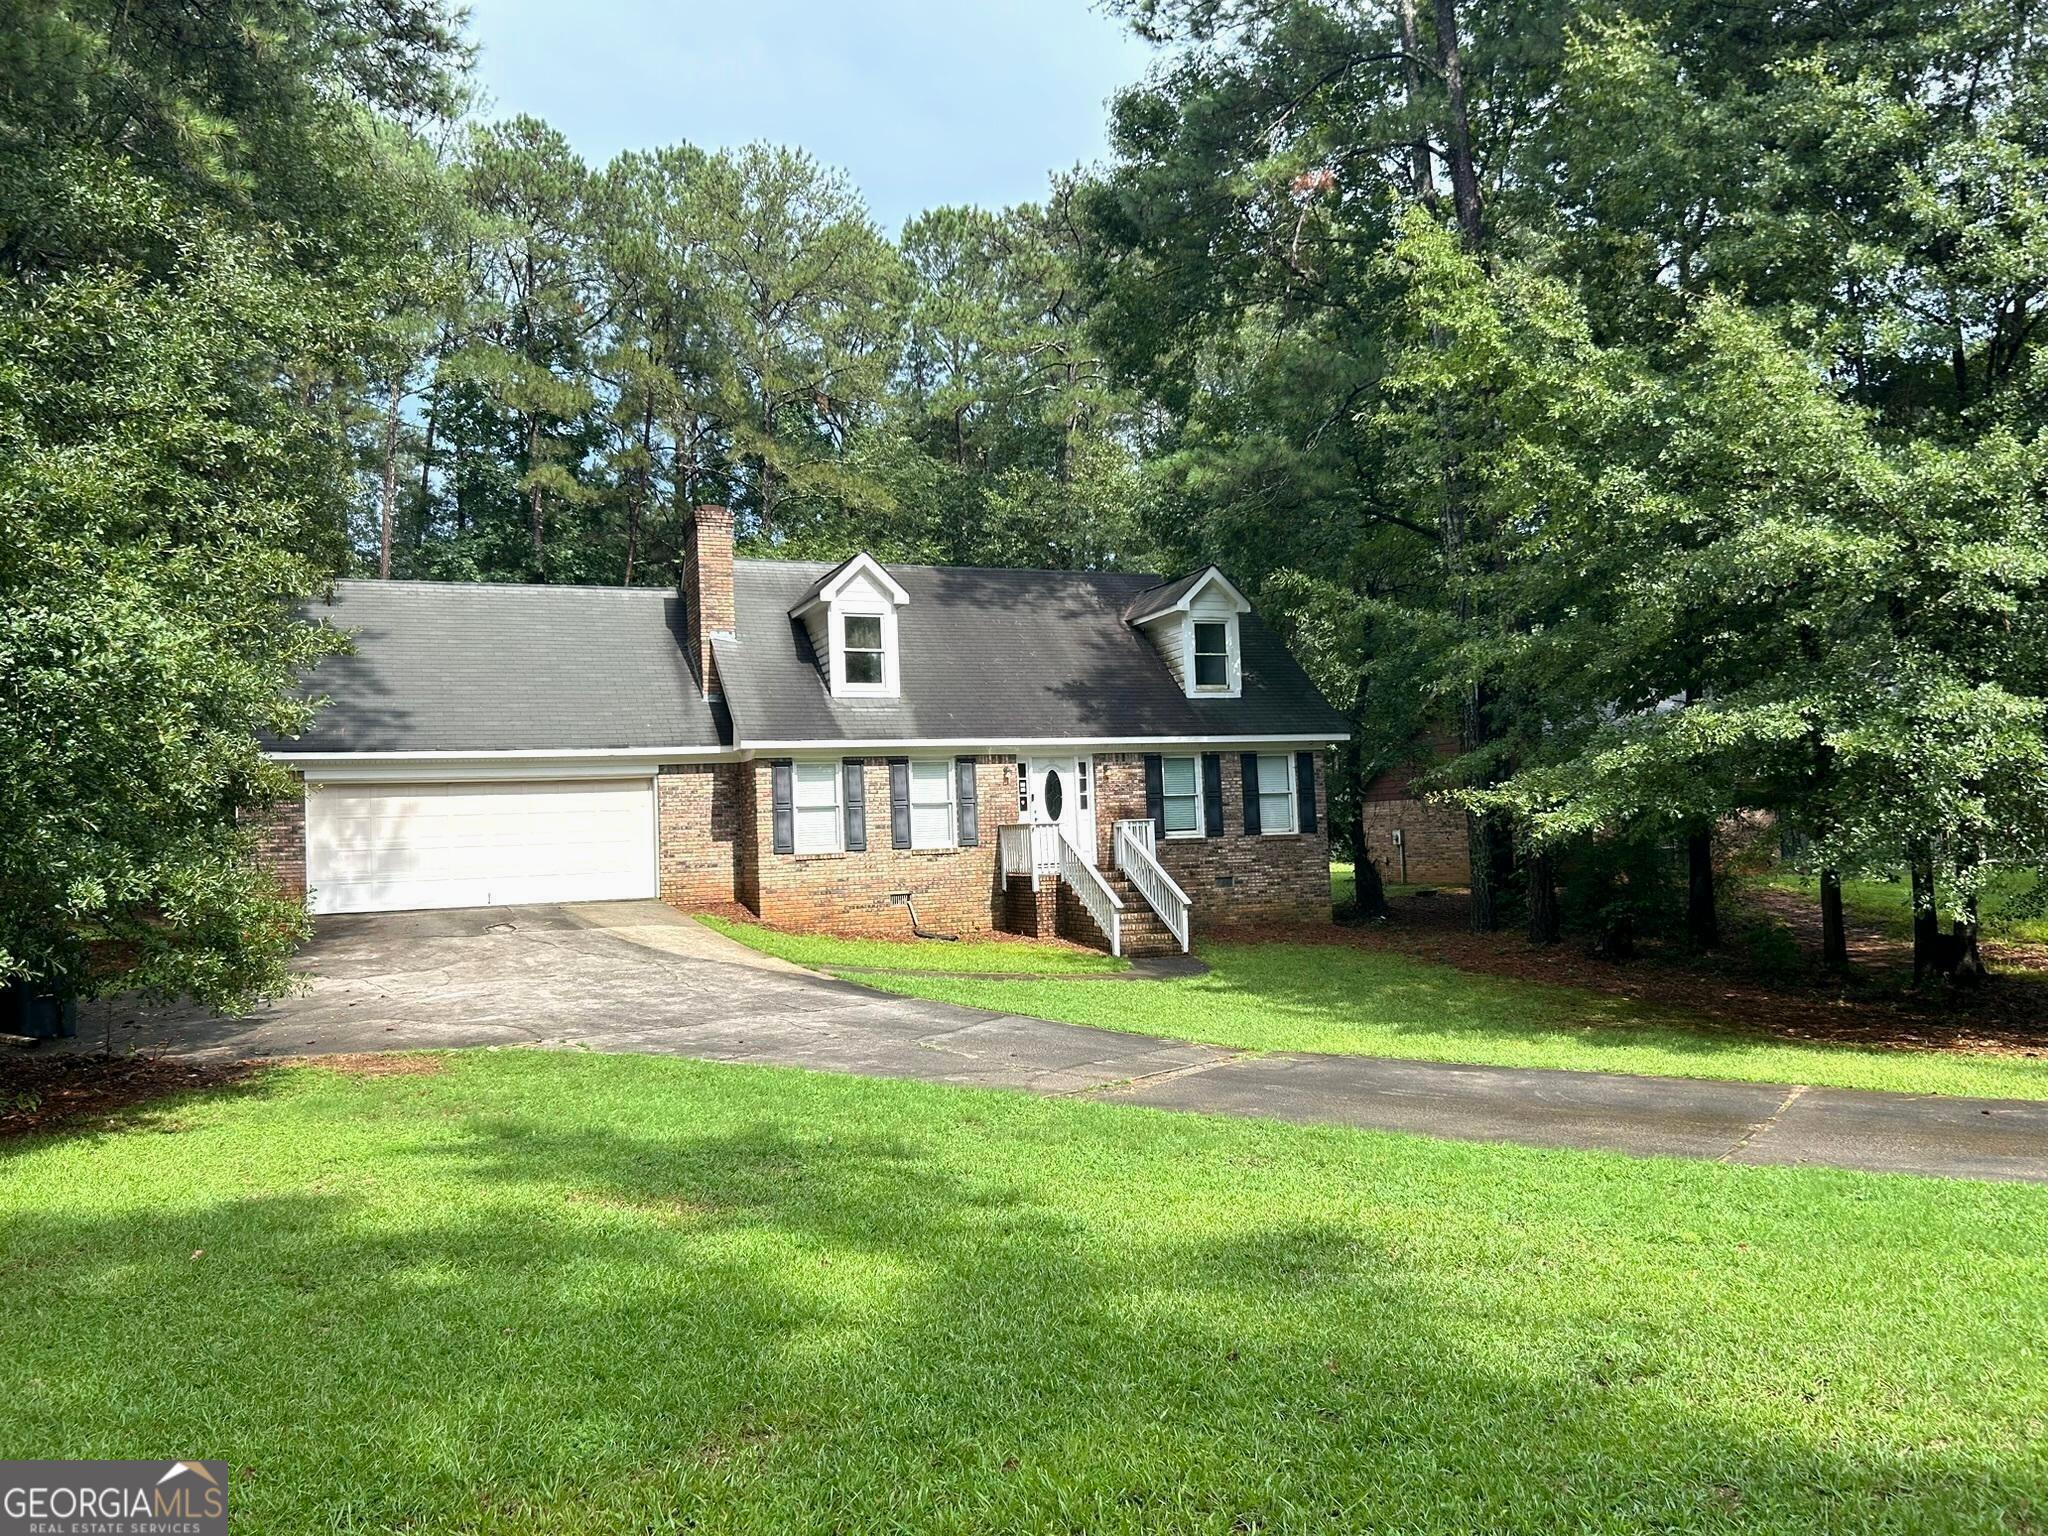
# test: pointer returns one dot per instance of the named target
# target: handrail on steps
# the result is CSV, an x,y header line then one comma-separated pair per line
x,y
1137,858
1102,902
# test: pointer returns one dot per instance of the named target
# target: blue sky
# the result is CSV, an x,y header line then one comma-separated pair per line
x,y
921,102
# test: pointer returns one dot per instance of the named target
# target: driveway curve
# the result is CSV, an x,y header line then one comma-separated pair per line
x,y
636,976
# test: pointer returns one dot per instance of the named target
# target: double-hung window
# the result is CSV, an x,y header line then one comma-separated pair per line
x,y
1276,794
1183,797
1212,654
931,804
862,643
818,822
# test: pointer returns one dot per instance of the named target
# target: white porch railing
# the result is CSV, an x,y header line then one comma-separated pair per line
x,y
1137,857
1103,904
1027,849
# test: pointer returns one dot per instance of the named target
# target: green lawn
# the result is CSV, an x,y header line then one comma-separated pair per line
x,y
822,953
2005,908
551,1292
1355,1001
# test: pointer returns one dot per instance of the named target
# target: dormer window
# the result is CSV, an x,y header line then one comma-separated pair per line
x,y
1196,624
1212,654
850,614
861,639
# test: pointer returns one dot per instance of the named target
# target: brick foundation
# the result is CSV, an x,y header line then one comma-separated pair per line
x,y
1235,878
1031,914
697,807
280,832
1433,836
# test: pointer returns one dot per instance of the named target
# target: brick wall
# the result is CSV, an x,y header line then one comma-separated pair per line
x,y
956,888
1235,878
280,832
708,604
1434,836
698,811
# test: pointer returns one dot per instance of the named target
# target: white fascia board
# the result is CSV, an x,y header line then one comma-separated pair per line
x,y
979,744
1213,576
862,564
566,763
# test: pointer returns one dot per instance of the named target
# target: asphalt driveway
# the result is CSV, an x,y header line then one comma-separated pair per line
x,y
636,976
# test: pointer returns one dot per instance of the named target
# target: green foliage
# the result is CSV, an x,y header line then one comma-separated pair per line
x,y
197,213
1699,475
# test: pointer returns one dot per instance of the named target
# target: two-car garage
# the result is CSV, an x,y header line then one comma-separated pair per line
x,y
383,847
489,746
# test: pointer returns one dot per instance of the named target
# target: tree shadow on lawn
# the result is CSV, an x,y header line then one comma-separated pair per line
x,y
1407,997
750,1328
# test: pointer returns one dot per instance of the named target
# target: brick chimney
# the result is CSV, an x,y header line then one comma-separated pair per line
x,y
707,585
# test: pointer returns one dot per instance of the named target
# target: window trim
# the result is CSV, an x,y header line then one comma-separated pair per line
x,y
1196,654
835,774
844,650
1232,685
952,837
1194,797
1286,762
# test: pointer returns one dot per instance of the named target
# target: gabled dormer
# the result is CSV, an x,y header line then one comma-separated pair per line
x,y
1194,623
850,614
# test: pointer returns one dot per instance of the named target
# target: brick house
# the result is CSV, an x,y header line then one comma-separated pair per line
x,y
851,749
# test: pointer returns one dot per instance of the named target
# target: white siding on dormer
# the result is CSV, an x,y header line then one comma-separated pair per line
x,y
1168,635
818,623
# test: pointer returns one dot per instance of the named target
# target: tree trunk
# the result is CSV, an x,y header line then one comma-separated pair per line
x,y
387,502
536,511
646,496
1421,169
1483,846
1834,934
1372,890
1926,920
1702,923
427,456
1458,128
1546,922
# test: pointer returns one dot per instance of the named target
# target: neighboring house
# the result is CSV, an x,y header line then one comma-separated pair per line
x,y
1415,841
1097,754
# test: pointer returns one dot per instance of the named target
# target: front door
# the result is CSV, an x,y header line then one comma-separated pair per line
x,y
1063,795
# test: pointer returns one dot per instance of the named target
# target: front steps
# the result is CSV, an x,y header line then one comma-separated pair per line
x,y
1054,911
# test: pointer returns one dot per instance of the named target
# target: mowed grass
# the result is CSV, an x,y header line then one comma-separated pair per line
x,y
547,1292
823,953
1356,1001
2008,906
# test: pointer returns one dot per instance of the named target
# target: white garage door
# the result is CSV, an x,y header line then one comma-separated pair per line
x,y
396,847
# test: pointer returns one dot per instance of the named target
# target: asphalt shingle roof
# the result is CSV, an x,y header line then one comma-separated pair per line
x,y
472,667
999,655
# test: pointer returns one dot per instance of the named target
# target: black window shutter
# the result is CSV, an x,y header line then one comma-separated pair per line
x,y
1305,791
967,812
1248,765
899,802
1155,792
779,775
1212,794
851,770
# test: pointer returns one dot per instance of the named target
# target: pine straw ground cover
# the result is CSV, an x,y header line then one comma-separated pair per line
x,y
546,1292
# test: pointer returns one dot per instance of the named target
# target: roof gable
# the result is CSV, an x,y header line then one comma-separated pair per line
x,y
1180,596
847,576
